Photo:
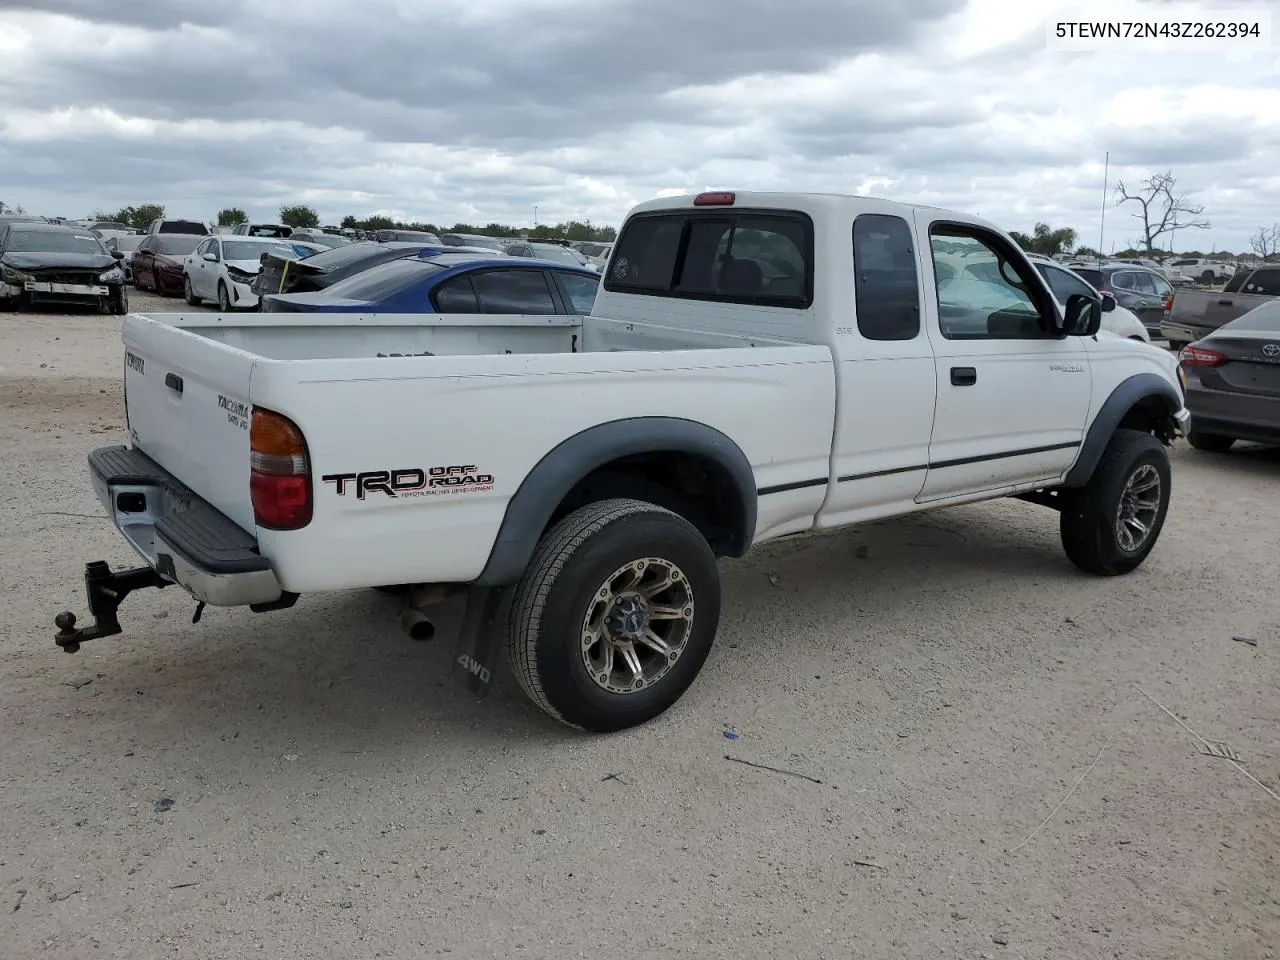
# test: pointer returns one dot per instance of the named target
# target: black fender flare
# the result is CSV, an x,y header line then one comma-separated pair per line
x,y
1135,389
542,489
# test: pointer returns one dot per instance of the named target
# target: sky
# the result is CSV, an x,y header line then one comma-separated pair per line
x,y
502,110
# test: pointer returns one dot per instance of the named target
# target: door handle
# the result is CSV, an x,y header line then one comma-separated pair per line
x,y
173,382
964,376
1225,303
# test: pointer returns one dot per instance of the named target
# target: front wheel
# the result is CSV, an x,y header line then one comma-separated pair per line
x,y
1110,525
615,615
119,302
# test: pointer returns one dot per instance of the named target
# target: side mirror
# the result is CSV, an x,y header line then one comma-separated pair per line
x,y
210,257
1082,316
1108,302
117,254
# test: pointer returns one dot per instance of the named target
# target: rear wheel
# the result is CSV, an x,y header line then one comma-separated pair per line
x,y
615,615
1109,526
1207,278
224,298
189,294
1209,442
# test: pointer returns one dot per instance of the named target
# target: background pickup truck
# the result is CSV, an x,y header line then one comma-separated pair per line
x,y
1197,313
755,366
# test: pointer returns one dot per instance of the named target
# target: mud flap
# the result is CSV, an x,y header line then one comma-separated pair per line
x,y
480,641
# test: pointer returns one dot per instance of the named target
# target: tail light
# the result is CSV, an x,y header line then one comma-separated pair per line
x,y
279,472
1168,303
1199,357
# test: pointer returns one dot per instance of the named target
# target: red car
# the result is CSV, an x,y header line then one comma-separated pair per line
x,y
157,263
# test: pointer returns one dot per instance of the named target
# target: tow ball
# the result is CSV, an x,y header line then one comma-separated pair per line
x,y
105,590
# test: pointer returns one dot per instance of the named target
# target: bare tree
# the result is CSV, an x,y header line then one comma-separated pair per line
x,y
1266,242
1161,207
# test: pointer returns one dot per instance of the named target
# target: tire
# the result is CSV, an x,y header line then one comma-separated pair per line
x,y
118,304
587,557
1208,278
1209,442
1090,522
224,298
188,294
155,282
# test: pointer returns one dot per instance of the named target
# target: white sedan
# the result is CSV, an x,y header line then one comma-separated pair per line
x,y
222,268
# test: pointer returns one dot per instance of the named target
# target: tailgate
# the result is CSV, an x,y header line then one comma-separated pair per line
x,y
187,402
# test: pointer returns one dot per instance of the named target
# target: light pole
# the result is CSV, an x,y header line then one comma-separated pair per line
x,y
535,215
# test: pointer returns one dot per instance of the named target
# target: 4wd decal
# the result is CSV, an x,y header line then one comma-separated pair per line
x,y
411,481
134,362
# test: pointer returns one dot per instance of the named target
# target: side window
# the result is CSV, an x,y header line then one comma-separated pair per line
x,y
1161,286
578,291
886,292
205,247
728,256
456,296
1123,280
1142,283
1265,282
1064,284
991,296
513,291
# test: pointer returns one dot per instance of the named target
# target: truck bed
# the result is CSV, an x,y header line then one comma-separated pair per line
x,y
1197,313
495,393
284,336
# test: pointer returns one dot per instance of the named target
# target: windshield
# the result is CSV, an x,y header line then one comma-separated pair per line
x,y
552,251
125,244
177,244
249,249
109,225
52,241
1264,319
384,280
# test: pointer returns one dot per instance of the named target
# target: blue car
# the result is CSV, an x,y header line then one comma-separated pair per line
x,y
451,283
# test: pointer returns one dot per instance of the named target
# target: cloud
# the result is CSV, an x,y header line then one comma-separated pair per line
x,y
458,110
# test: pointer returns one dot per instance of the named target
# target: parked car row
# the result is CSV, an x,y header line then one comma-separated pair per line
x,y
49,263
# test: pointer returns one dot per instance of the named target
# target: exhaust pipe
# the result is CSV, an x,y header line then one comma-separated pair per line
x,y
415,623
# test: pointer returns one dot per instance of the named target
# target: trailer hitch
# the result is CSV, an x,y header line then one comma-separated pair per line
x,y
105,591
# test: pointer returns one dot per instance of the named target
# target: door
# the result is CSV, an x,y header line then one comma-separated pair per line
x,y
1013,397
198,270
886,384
1141,292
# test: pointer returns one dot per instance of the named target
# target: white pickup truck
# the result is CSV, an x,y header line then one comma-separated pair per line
x,y
755,366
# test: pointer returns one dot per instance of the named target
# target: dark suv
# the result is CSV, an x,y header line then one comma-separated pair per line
x,y
1135,288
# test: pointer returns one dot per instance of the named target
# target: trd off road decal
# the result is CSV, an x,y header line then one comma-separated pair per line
x,y
411,482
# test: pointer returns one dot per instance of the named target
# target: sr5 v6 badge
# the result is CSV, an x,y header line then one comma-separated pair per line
x,y
411,481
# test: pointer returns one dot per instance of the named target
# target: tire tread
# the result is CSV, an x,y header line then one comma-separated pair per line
x,y
552,554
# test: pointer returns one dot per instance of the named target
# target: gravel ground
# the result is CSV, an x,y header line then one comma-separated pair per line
x,y
948,678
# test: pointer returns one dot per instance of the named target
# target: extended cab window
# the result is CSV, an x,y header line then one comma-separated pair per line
x,y
727,256
984,292
886,292
1263,281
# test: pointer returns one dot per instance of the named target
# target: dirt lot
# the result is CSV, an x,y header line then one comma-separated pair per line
x,y
949,679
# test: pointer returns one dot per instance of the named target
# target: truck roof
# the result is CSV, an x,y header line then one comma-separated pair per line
x,y
821,204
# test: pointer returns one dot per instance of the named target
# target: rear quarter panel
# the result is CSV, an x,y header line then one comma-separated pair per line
x,y
497,416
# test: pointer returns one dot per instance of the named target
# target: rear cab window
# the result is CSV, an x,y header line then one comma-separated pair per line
x,y
724,255
885,284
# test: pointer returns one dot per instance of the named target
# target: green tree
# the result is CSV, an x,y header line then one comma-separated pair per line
x,y
299,216
377,222
231,216
1046,240
137,217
